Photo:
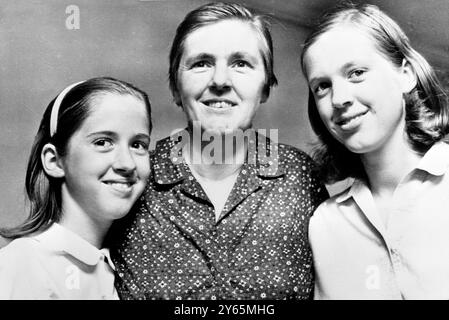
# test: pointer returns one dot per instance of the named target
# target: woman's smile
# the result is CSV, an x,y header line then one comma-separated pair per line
x,y
221,79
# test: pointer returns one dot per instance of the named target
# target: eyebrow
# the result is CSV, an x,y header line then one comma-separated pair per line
x,y
348,65
143,136
113,134
102,133
200,56
208,56
244,55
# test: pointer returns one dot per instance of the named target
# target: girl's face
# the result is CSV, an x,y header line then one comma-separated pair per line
x,y
107,160
358,92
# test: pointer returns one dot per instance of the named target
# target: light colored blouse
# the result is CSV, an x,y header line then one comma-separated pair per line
x,y
55,264
358,255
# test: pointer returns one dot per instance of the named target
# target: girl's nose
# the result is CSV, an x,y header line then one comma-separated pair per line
x,y
124,160
341,94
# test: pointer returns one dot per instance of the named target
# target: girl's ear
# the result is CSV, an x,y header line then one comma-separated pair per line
x,y
51,161
409,79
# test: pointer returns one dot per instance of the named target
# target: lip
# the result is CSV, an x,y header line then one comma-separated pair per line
x,y
350,122
121,187
219,104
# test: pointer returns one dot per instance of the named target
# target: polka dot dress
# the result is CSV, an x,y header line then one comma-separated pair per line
x,y
172,247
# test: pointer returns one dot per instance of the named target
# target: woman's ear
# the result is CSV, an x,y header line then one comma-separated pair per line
x,y
51,161
409,79
177,97
265,94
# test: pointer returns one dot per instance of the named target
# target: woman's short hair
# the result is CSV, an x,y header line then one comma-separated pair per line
x,y
426,111
44,191
215,12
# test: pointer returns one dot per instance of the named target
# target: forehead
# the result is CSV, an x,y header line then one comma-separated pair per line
x,y
113,109
229,35
341,45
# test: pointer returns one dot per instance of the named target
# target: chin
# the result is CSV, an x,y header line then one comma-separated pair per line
x,y
359,148
219,130
118,211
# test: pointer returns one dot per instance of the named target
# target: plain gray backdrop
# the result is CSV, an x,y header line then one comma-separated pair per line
x,y
130,40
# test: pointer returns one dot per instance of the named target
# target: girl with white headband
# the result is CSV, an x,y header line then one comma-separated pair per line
x,y
88,165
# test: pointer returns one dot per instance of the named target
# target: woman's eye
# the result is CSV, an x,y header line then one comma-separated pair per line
x,y
242,64
200,64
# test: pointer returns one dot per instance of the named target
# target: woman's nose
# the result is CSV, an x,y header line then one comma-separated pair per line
x,y
220,77
341,94
124,160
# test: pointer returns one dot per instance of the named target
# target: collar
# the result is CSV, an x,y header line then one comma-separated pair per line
x,y
356,187
435,161
170,167
61,239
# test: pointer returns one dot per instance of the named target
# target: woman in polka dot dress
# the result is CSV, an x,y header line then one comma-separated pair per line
x,y
234,226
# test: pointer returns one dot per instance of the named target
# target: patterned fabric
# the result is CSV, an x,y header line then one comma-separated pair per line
x,y
172,247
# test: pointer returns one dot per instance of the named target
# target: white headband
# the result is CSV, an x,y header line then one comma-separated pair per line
x,y
55,108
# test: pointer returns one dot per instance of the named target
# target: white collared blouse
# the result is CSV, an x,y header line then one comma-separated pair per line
x,y
357,255
55,264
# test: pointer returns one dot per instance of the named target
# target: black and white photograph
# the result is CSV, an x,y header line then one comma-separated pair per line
x,y
243,151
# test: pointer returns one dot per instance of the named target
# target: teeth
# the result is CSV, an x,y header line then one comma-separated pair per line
x,y
120,185
219,105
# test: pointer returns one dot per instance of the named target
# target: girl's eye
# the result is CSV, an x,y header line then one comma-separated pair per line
x,y
141,146
103,143
321,88
357,74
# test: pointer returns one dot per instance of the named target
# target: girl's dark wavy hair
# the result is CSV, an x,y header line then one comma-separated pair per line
x,y
215,12
44,191
426,106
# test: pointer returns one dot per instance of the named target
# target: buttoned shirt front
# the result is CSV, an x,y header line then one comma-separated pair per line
x,y
173,247
359,256
55,264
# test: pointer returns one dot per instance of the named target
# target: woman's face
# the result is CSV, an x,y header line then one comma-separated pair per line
x,y
221,76
358,92
107,161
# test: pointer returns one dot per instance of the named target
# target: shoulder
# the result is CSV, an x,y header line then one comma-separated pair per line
x,y
330,209
22,275
22,253
299,168
294,159
18,249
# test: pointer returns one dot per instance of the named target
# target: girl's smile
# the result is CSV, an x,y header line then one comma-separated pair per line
x,y
107,162
357,90
350,122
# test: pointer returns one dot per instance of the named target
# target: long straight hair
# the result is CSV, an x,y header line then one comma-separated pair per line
x,y
44,191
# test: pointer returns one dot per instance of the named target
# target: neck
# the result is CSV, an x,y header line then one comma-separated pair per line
x,y
217,158
78,221
387,166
